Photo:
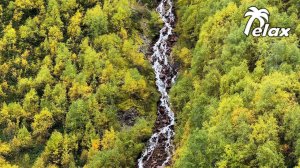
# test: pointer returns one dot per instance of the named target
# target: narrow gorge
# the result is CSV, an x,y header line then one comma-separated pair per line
x,y
160,147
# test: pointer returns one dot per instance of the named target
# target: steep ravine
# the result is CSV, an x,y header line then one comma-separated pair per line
x,y
160,147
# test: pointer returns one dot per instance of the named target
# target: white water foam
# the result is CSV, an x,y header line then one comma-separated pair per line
x,y
160,61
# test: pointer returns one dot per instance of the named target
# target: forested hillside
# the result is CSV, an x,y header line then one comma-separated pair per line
x,y
75,87
237,97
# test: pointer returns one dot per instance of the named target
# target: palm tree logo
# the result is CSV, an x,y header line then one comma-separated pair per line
x,y
260,14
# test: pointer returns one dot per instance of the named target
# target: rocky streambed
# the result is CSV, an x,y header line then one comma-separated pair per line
x,y
159,150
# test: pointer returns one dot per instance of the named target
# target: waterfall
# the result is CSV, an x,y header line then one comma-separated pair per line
x,y
160,147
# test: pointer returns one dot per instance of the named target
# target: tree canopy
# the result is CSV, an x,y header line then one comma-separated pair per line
x,y
69,69
237,97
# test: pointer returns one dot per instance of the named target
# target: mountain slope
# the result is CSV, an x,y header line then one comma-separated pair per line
x,y
75,86
237,97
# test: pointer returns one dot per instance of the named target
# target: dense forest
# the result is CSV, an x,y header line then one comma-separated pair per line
x,y
75,87
237,97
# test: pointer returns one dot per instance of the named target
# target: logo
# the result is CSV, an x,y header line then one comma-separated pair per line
x,y
262,15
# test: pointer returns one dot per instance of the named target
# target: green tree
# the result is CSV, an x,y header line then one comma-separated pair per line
x,y
31,102
96,20
77,116
54,149
42,124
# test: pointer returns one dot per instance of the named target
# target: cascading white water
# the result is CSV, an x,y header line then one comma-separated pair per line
x,y
162,138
